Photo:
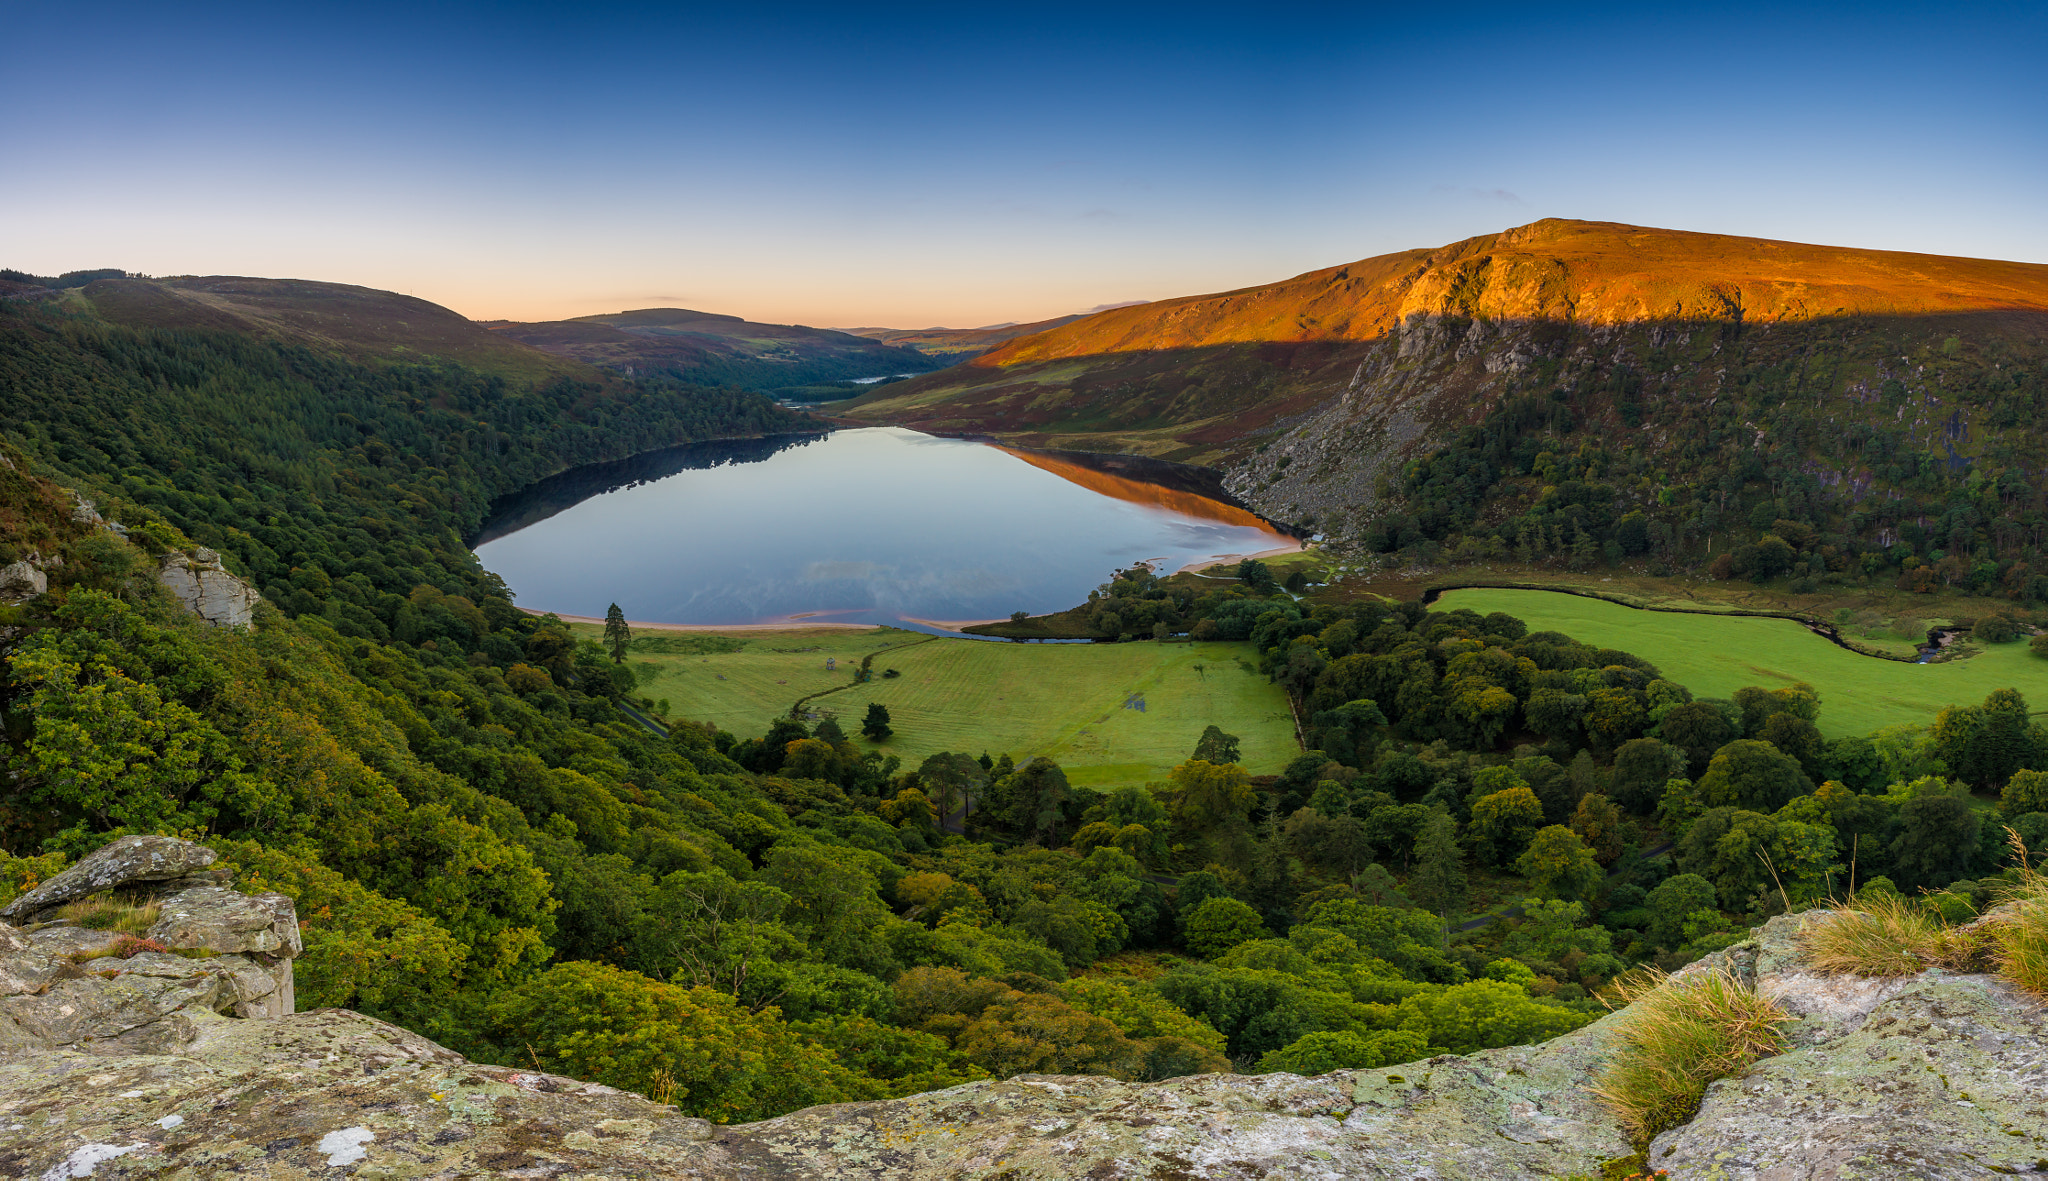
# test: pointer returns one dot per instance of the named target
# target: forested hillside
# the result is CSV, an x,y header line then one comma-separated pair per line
x,y
487,845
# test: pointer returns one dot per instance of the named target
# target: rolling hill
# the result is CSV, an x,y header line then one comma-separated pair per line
x,y
703,348
959,344
361,323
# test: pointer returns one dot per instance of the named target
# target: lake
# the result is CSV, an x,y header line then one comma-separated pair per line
x,y
873,525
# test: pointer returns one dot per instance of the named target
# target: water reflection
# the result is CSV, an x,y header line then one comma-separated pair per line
x,y
876,525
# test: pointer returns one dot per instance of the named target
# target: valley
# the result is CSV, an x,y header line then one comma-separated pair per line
x,y
1270,818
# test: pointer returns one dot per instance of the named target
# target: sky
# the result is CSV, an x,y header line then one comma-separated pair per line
x,y
960,165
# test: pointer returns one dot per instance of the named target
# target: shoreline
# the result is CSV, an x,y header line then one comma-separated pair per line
x,y
1233,559
793,623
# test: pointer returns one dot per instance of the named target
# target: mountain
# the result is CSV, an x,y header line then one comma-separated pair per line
x,y
1713,384
959,344
703,348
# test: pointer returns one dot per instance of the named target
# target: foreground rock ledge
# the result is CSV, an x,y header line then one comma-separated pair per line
x,y
1935,1076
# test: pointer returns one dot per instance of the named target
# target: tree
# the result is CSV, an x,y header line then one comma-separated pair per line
x,y
1220,924
1699,728
876,725
1438,882
1502,824
1642,766
1750,773
1559,864
1256,575
617,636
1983,745
1674,900
953,781
1938,835
1601,825
2026,791
1215,746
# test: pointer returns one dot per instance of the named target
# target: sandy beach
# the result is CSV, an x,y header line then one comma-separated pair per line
x,y
1233,559
791,624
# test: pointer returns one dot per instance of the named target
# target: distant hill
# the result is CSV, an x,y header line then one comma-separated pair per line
x,y
959,344
1436,397
359,322
704,348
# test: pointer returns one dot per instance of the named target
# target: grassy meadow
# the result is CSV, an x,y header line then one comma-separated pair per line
x,y
1065,701
1716,655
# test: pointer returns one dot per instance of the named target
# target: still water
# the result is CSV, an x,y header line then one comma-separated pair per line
x,y
876,525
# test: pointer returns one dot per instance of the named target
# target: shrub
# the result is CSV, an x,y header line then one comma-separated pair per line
x,y
1677,1036
128,945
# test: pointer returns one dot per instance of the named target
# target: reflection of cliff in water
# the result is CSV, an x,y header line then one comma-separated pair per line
x,y
1194,491
565,490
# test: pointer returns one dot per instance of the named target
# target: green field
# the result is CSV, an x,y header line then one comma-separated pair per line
x,y
1064,701
1715,655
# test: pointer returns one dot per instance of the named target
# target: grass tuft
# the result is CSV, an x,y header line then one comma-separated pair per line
x,y
1676,1037
1883,934
111,913
2021,927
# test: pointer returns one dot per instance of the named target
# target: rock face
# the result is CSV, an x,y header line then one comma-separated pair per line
x,y
207,590
1936,1076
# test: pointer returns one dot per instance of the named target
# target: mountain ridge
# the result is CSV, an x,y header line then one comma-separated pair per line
x,y
1200,378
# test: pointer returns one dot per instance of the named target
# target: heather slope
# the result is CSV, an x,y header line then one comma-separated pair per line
x,y
361,323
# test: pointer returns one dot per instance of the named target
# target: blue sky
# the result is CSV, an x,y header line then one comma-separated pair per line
x,y
963,165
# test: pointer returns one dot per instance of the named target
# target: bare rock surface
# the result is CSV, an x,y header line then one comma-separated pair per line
x,y
207,590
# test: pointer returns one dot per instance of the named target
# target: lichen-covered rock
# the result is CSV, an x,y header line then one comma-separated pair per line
x,y
121,863
330,1092
206,589
1947,1077
212,918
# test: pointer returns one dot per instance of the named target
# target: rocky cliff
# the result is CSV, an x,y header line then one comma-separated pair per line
x,y
189,1062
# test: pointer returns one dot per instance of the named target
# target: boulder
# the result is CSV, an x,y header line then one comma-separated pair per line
x,y
206,589
22,581
124,862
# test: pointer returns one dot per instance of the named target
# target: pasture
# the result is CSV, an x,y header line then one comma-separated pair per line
x,y
1714,655
1074,703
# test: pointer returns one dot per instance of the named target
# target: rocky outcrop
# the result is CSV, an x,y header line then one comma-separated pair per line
x,y
126,861
23,580
1935,1076
208,953
206,589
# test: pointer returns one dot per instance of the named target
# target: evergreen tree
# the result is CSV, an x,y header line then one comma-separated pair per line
x,y
876,724
1438,882
616,634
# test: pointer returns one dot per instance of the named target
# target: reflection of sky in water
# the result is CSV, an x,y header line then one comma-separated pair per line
x,y
871,525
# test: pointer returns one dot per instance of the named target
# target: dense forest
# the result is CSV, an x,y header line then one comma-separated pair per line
x,y
1818,456
489,845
